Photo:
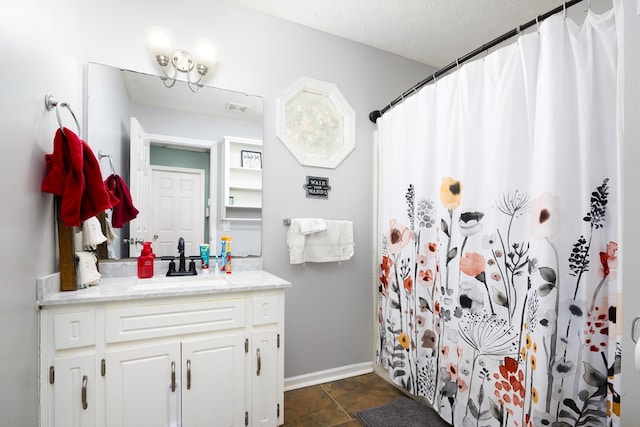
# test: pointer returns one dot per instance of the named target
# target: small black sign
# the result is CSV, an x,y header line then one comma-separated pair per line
x,y
317,187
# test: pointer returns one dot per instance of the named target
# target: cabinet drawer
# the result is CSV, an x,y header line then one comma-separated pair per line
x,y
265,309
128,324
74,329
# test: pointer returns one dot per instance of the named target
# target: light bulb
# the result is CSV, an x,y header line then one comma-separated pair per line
x,y
205,53
159,41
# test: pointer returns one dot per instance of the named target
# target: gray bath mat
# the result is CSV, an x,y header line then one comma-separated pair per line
x,y
402,412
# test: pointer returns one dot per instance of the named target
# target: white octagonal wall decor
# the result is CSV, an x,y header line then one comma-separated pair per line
x,y
316,123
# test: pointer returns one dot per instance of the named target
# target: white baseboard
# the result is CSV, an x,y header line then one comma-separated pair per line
x,y
339,373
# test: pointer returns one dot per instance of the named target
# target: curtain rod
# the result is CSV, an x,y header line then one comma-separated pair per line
x,y
374,115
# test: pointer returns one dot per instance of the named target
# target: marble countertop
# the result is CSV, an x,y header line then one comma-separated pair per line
x,y
129,288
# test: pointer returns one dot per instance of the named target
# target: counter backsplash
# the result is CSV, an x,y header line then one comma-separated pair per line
x,y
130,268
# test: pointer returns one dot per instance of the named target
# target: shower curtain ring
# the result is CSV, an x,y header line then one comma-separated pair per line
x,y
435,80
458,63
564,10
537,24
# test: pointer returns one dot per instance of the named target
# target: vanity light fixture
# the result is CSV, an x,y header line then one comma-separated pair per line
x,y
181,61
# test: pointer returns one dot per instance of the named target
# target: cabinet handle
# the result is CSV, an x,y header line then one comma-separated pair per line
x,y
259,362
188,374
85,379
173,377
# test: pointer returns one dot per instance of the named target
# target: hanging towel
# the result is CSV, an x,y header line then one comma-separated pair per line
x,y
335,243
111,235
73,173
310,225
87,270
124,211
92,234
111,238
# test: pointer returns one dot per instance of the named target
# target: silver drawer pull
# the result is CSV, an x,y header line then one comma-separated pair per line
x,y
173,377
259,362
188,374
85,380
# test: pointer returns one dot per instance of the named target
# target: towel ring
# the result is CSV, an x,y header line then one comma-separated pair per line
x,y
51,103
102,155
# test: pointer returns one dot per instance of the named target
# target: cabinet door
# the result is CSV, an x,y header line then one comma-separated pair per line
x,y
266,394
74,391
213,379
142,386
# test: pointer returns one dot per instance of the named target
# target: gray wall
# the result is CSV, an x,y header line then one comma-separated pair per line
x,y
46,60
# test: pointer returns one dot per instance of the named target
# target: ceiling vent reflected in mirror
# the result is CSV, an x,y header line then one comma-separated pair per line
x,y
238,108
174,62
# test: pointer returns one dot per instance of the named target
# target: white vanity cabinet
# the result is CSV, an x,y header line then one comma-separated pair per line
x,y
74,397
190,361
268,364
68,373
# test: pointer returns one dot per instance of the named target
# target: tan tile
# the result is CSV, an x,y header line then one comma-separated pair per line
x,y
362,392
311,407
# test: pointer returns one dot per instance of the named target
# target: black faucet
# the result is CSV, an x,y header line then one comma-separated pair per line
x,y
181,254
182,271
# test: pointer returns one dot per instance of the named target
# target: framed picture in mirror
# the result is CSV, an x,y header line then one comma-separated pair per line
x,y
251,159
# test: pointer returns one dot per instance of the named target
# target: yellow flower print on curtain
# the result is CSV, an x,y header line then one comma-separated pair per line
x,y
451,193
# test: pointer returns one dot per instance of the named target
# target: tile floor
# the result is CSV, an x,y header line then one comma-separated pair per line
x,y
335,403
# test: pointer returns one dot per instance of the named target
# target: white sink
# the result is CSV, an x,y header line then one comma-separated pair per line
x,y
181,281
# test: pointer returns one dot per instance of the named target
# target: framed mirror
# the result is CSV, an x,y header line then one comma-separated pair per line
x,y
167,146
316,123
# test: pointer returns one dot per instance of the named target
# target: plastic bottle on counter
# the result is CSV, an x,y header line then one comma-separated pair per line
x,y
145,261
227,255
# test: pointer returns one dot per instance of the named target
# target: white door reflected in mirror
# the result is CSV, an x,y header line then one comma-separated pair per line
x,y
177,209
139,175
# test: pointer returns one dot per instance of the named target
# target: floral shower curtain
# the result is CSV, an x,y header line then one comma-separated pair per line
x,y
498,218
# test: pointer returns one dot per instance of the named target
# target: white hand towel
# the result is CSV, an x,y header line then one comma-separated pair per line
x,y
87,271
92,233
111,238
111,235
333,244
310,225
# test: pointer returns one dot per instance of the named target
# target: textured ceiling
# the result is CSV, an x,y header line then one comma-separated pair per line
x,y
433,32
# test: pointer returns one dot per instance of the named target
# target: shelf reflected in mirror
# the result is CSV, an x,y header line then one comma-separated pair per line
x,y
185,134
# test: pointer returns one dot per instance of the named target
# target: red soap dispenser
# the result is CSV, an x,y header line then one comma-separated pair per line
x,y
145,261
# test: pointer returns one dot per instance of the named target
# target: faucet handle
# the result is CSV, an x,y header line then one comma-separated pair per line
x,y
172,268
134,241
